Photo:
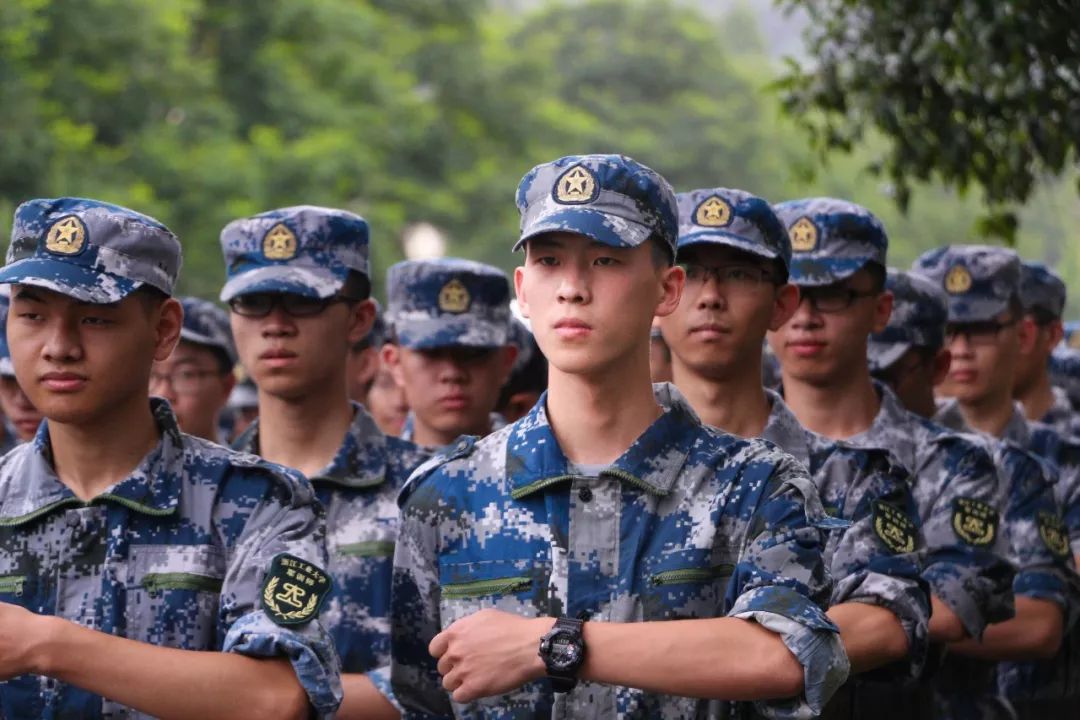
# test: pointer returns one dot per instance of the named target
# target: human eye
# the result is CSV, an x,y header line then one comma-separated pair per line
x,y
96,320
605,261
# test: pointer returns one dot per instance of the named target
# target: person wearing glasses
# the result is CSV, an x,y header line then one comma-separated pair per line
x,y
450,349
985,331
197,377
143,571
736,255
299,294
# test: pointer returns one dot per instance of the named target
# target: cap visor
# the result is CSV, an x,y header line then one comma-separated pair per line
x,y
726,240
82,283
457,333
813,271
601,227
293,279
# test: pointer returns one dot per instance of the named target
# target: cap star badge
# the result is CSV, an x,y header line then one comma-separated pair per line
x,y
957,280
804,235
67,236
713,212
279,243
576,186
454,297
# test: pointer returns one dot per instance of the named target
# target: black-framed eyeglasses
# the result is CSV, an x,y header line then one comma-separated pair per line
x,y
832,298
258,305
730,275
976,333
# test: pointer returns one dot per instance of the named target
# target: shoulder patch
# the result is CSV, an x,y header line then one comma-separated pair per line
x,y
294,590
1053,533
974,521
893,527
461,448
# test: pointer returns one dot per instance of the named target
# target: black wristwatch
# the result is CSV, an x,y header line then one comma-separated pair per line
x,y
563,651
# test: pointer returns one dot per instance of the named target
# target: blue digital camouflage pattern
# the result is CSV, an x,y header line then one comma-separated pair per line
x,y
688,523
831,239
918,319
865,565
1065,372
408,429
734,218
1071,338
303,250
610,198
173,555
89,250
1038,546
359,490
1061,416
207,324
379,333
980,281
1041,289
7,369
448,302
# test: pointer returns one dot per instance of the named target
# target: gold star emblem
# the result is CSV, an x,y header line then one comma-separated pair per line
x,y
957,280
279,243
67,236
803,235
714,212
576,186
454,297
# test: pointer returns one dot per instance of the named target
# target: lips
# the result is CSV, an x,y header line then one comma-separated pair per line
x,y
277,354
453,402
804,347
63,381
962,376
709,331
571,328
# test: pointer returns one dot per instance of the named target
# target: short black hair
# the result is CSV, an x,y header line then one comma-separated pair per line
x,y
878,275
662,254
357,287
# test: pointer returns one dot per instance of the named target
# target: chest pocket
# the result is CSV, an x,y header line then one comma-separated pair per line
x,y
689,583
516,586
173,595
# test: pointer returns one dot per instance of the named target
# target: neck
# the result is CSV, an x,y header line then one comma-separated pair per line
x,y
736,404
837,410
596,418
90,458
989,416
1038,397
306,432
425,435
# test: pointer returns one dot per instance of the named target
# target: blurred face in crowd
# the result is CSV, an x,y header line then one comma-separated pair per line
x,y
197,383
80,363
984,358
914,376
1031,363
730,301
659,355
826,337
386,402
360,370
18,409
451,390
591,306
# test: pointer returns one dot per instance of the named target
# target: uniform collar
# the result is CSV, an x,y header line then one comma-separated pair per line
x,y
1017,430
534,460
153,488
785,430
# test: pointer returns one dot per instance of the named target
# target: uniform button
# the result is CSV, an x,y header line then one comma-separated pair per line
x,y
585,495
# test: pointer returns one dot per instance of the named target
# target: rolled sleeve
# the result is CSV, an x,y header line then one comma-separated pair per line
x,y
380,678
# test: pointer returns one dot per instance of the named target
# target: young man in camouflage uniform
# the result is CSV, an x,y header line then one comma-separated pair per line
x,y
450,349
298,290
609,508
985,331
20,418
129,548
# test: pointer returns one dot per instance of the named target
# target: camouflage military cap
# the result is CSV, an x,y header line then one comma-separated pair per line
x,y
610,198
303,250
379,332
979,281
733,218
448,302
831,239
1041,289
918,319
207,324
89,250
6,368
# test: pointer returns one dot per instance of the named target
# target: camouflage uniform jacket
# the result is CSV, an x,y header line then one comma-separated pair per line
x,y
174,555
688,523
359,490
1061,416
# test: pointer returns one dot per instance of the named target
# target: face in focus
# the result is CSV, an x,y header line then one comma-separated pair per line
x,y
451,390
197,386
730,301
591,305
821,344
18,409
386,402
293,357
79,363
984,359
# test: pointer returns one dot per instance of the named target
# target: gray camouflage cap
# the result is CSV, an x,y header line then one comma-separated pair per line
x,y
610,198
918,319
733,218
302,250
1041,289
980,281
831,239
207,324
448,302
90,250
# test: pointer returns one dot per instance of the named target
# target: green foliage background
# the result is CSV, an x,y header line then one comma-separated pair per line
x,y
201,111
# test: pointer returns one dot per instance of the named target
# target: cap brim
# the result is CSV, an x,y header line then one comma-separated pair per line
x,y
296,280
883,355
470,332
599,226
813,271
76,281
206,341
726,240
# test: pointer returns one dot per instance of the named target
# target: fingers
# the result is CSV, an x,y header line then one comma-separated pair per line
x,y
439,644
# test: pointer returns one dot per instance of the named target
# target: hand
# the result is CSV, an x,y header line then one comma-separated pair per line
x,y
489,653
20,638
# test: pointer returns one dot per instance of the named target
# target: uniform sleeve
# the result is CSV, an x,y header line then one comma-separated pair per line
x,y
778,574
286,523
966,549
414,609
877,559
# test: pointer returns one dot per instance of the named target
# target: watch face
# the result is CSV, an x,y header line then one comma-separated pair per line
x,y
565,652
